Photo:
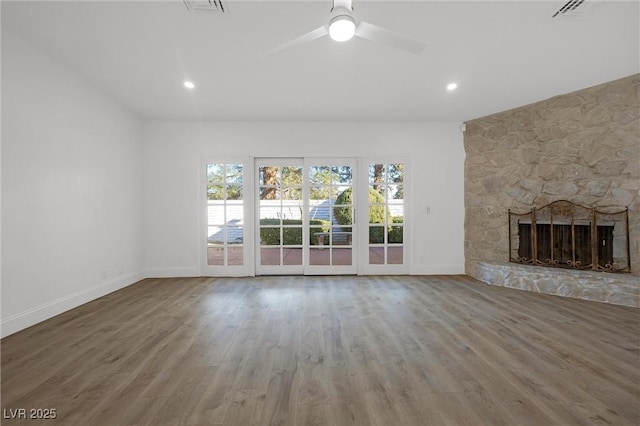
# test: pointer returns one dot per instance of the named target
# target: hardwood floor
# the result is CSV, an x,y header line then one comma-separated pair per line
x,y
441,350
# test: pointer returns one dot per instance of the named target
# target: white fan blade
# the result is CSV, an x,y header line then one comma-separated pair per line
x,y
381,35
305,38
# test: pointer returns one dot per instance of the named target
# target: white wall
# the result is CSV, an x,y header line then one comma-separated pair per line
x,y
94,200
71,189
172,152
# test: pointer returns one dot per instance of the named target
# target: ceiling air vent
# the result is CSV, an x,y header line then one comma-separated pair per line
x,y
205,5
576,8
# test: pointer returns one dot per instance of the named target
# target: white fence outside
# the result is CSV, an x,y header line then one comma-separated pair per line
x,y
230,215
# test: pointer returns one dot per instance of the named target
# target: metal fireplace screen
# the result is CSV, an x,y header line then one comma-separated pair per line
x,y
566,235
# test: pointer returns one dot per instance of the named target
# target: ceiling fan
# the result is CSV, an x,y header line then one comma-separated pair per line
x,y
343,26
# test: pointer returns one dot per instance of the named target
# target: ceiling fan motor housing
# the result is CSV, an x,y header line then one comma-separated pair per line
x,y
342,26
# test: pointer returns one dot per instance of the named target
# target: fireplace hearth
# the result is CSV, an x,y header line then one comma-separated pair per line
x,y
567,235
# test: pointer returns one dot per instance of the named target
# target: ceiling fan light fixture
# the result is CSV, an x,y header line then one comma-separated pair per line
x,y
342,28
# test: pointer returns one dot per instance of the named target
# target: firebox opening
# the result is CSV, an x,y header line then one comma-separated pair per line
x,y
563,244
564,234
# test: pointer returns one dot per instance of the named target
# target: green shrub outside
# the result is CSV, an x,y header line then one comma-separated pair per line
x,y
395,232
344,215
291,236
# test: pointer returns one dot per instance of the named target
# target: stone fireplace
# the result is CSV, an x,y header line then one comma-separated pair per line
x,y
583,147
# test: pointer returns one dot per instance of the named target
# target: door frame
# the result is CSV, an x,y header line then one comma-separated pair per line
x,y
360,244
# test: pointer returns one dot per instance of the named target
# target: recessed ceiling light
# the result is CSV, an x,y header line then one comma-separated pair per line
x,y
189,85
452,86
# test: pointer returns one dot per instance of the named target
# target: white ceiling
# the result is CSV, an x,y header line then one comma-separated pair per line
x,y
502,55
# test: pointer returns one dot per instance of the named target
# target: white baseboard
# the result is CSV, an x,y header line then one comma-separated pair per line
x,y
37,314
437,270
172,273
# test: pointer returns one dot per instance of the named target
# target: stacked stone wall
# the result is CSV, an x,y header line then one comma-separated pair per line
x,y
582,146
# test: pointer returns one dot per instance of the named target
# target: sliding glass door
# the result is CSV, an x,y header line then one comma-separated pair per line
x,y
330,216
279,216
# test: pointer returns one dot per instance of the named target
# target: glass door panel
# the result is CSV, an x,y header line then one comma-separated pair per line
x,y
226,251
280,216
330,215
386,218
395,229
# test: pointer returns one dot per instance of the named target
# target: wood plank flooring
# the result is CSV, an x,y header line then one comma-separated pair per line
x,y
437,350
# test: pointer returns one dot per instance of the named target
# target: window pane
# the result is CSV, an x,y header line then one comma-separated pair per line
x,y
292,175
291,211
319,256
270,236
341,236
215,256
397,213
215,213
396,173
376,235
395,255
344,195
235,255
234,192
318,236
332,192
215,192
269,175
292,256
234,213
292,236
234,235
395,235
269,193
341,256
319,175
395,192
233,174
215,173
292,193
343,214
318,192
376,255
270,256
215,235
320,211
270,213
377,213
376,174
341,175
